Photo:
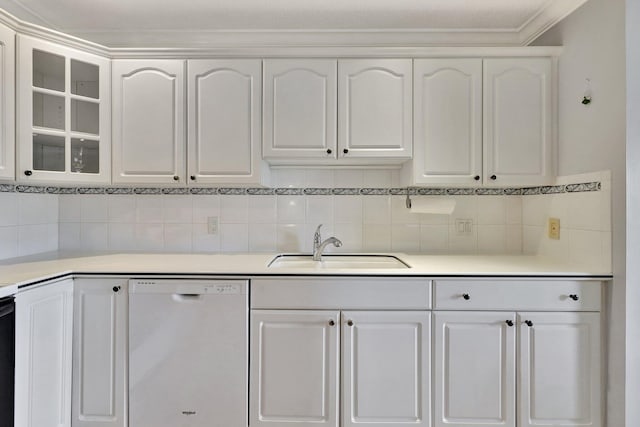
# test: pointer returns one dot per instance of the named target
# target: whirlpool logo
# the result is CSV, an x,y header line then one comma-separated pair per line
x,y
188,412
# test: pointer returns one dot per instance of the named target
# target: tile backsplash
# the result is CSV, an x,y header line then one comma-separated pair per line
x,y
364,208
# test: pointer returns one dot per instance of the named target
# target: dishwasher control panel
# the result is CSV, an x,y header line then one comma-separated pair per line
x,y
188,286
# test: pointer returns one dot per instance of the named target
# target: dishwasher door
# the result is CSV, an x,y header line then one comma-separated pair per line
x,y
188,357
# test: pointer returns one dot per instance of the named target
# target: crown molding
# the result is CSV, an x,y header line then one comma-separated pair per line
x,y
289,43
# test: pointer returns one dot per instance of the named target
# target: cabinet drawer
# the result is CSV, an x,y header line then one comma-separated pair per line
x,y
544,295
341,293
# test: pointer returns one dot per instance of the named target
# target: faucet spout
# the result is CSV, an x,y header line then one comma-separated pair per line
x,y
317,253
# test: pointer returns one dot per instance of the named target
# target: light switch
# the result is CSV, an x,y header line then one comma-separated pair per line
x,y
212,225
554,228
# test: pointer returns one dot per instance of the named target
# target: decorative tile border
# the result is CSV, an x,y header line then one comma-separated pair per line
x,y
312,191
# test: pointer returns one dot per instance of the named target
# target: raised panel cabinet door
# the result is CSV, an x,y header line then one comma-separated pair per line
x,y
7,103
299,108
474,369
63,121
386,368
148,121
99,352
294,373
518,121
375,102
224,120
560,366
447,146
44,325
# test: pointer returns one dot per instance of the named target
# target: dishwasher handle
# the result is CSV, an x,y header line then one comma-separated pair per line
x,y
186,297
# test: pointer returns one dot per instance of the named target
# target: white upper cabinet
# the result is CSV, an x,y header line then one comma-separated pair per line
x,y
7,103
518,121
374,106
299,108
337,112
447,121
148,121
64,122
224,118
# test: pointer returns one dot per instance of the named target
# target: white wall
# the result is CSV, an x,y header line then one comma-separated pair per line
x,y
633,214
592,138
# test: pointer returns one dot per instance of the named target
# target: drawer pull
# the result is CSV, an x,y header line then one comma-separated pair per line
x,y
350,322
574,297
509,322
116,288
332,322
529,323
466,296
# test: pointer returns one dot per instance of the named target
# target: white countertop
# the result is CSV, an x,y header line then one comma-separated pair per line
x,y
23,271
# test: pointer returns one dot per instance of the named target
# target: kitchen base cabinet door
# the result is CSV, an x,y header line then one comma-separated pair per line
x,y
474,369
99,353
294,376
44,325
385,369
559,369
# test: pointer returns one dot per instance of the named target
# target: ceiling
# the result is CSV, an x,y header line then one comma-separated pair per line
x,y
170,23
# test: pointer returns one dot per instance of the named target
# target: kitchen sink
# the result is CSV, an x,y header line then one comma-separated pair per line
x,y
355,261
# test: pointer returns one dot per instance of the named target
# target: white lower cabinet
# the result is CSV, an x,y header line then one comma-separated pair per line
x,y
99,353
556,357
43,355
295,380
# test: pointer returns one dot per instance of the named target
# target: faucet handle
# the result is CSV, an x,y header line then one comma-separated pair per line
x,y
318,229
317,238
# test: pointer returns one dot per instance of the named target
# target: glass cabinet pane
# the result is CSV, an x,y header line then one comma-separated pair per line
x,y
84,79
48,153
85,117
48,111
48,70
85,156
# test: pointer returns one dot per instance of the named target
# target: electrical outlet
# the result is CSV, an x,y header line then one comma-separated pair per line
x,y
554,228
212,225
464,227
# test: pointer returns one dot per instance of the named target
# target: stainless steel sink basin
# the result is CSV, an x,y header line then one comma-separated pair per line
x,y
361,262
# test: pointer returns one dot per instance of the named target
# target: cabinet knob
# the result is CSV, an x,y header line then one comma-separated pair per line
x,y
329,151
345,151
493,177
477,177
529,323
574,297
509,322
116,288
332,322
176,178
193,177
28,173
350,322
466,296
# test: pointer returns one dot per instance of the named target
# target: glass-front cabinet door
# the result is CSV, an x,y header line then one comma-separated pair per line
x,y
64,122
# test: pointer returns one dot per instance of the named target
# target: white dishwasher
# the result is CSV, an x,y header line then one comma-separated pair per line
x,y
188,353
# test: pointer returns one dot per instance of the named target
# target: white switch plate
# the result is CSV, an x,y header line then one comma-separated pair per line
x,y
212,225
464,227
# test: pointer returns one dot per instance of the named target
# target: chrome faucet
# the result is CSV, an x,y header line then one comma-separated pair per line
x,y
319,244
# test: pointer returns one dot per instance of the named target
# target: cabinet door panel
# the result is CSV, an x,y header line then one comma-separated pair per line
x,y
447,121
224,120
386,365
299,108
560,369
43,365
518,124
294,372
7,102
375,103
100,336
474,369
148,121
